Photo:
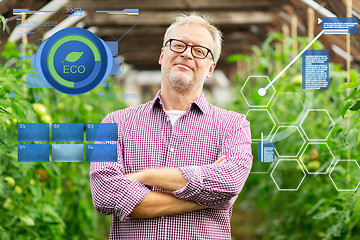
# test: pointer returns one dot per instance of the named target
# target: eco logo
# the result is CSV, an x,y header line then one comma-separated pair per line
x,y
2,23
74,61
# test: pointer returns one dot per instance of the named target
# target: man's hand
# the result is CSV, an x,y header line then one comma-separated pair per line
x,y
166,178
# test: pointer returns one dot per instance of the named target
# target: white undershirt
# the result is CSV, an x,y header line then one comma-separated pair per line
x,y
174,115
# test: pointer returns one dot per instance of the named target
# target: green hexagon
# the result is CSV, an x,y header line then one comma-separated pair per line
x,y
286,107
250,91
261,122
288,175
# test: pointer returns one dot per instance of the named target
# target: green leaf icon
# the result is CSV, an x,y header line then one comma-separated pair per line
x,y
73,56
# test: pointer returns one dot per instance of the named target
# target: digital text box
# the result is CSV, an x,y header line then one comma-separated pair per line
x,y
266,151
68,152
33,132
101,152
67,131
101,132
33,152
315,69
348,24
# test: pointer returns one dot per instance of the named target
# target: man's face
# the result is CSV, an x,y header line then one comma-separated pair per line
x,y
182,71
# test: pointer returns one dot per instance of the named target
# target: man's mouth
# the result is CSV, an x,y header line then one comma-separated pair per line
x,y
184,66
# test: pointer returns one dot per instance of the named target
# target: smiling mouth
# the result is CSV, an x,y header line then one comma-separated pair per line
x,y
183,66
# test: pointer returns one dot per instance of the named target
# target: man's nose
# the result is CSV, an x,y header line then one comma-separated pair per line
x,y
187,53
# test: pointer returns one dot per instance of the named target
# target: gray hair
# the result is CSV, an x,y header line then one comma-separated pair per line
x,y
193,18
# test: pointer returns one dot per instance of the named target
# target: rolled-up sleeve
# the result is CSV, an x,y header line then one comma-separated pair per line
x,y
218,185
112,192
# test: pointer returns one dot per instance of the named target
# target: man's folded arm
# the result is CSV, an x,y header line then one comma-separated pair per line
x,y
218,185
214,185
114,194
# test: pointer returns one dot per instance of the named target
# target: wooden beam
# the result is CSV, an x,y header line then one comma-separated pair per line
x,y
166,18
94,5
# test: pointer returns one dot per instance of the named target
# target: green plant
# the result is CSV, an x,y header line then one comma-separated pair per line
x,y
317,210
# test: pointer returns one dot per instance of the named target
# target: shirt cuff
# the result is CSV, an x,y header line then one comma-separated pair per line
x,y
194,185
134,194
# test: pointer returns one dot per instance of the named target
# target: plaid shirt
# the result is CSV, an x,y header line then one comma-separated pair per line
x,y
146,139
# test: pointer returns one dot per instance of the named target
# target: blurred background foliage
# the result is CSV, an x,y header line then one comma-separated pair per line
x,y
53,201
316,210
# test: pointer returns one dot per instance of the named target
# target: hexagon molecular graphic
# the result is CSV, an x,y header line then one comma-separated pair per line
x,y
345,175
288,175
317,124
288,141
250,91
259,167
261,122
286,107
317,158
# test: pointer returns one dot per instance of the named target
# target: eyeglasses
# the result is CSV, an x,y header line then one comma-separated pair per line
x,y
196,50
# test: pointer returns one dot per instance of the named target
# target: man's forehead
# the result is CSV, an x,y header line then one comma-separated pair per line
x,y
194,33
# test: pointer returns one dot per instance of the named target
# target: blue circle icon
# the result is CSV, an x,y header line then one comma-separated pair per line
x,y
74,61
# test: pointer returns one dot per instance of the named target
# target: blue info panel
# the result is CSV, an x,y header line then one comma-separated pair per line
x,y
33,132
68,152
67,131
266,151
33,152
101,132
101,152
315,69
339,24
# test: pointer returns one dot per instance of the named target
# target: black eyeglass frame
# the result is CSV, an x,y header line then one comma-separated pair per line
x,y
192,47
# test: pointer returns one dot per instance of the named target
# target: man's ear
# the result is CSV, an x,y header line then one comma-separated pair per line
x,y
161,56
211,70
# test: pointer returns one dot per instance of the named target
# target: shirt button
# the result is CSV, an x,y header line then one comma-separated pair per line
x,y
172,149
162,217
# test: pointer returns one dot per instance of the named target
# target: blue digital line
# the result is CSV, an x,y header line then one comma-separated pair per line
x,y
123,11
39,98
28,11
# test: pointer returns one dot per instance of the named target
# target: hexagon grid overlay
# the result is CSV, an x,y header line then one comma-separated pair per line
x,y
345,175
260,117
317,124
288,175
250,91
317,158
286,107
288,141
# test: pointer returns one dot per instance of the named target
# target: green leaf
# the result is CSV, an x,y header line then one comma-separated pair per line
x,y
27,221
73,56
325,214
353,76
3,110
345,108
336,229
353,93
351,136
349,85
355,106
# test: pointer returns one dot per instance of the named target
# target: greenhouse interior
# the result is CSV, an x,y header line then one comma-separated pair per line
x,y
254,131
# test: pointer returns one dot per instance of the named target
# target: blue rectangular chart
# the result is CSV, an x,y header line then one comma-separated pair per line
x,y
101,152
33,132
68,152
101,132
266,152
68,132
315,69
33,152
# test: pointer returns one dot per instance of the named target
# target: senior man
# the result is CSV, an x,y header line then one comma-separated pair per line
x,y
181,161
